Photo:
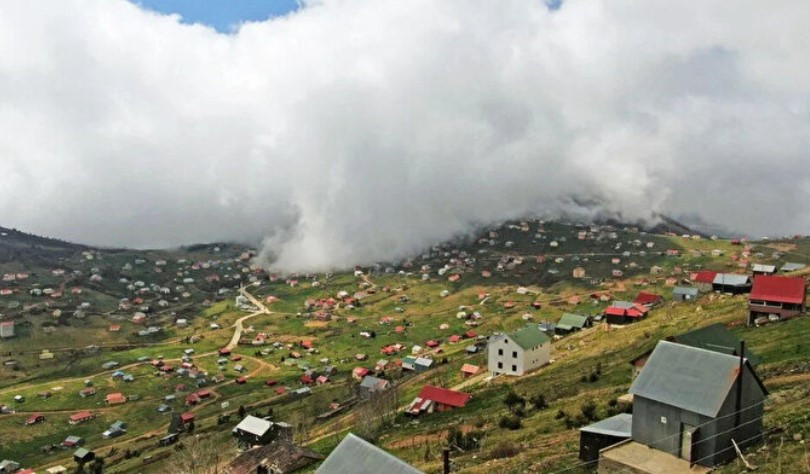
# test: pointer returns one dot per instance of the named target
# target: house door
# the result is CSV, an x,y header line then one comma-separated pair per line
x,y
688,438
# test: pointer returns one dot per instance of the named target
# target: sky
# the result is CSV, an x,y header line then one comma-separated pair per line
x,y
223,15
355,131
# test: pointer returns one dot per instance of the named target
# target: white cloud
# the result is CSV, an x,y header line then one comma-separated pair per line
x,y
361,130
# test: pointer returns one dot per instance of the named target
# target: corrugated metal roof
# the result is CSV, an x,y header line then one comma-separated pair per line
x,y
529,337
619,426
792,266
685,290
759,267
354,455
731,279
690,378
253,425
572,320
779,288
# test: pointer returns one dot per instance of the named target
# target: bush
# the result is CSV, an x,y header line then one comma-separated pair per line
x,y
560,415
513,401
539,402
589,410
510,422
505,449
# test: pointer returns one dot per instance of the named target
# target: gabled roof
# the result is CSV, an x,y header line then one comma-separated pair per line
x,y
792,266
779,289
284,455
685,290
573,320
705,276
689,378
354,455
371,382
647,298
731,279
253,425
444,396
717,338
529,337
759,267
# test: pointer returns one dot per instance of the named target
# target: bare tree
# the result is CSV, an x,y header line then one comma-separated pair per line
x,y
200,455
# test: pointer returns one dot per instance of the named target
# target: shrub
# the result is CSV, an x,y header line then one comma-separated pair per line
x,y
505,449
539,402
560,415
510,422
589,410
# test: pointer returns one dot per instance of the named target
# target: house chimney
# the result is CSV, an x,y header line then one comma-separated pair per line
x,y
740,384
446,461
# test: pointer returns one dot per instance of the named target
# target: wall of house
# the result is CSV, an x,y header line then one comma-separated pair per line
x,y
659,426
525,361
591,443
718,448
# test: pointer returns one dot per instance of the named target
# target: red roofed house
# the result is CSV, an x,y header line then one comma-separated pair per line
x,y
204,393
34,418
432,399
192,399
777,295
648,299
241,380
81,416
359,372
703,280
454,339
432,343
187,417
624,312
470,334
306,379
116,398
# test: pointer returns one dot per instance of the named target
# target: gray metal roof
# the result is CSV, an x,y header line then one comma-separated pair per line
x,y
619,426
732,279
354,455
623,304
685,290
792,266
694,379
370,381
759,267
253,425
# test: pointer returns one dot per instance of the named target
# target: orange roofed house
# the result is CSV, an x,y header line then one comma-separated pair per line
x,y
776,297
116,398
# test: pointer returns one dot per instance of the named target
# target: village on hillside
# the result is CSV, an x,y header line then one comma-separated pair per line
x,y
533,346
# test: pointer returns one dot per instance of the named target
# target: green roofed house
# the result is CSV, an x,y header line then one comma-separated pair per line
x,y
83,456
518,352
570,322
355,455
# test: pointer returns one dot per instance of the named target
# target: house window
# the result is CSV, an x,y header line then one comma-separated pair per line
x,y
514,368
500,365
500,352
514,354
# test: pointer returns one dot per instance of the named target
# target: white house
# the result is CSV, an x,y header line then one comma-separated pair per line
x,y
519,352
